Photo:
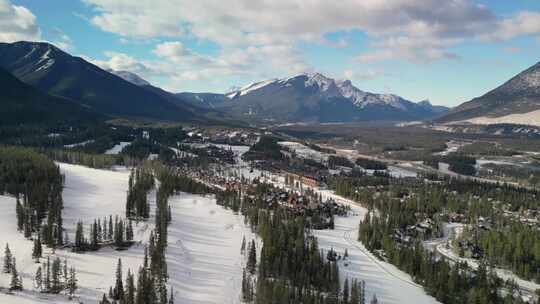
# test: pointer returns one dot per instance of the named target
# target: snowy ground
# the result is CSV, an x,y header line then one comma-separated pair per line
x,y
204,260
88,194
304,151
531,118
203,256
118,147
79,144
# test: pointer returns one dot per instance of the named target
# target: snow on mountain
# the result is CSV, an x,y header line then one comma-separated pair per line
x,y
516,101
250,87
328,87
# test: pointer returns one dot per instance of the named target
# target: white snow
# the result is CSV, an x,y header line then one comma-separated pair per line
x,y
530,118
118,147
203,255
204,260
250,87
391,285
304,151
79,144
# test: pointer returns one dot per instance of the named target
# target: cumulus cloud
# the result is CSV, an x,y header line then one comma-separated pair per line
x,y
122,62
419,31
17,23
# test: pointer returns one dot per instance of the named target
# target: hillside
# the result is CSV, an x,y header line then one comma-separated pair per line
x,y
515,101
23,104
46,67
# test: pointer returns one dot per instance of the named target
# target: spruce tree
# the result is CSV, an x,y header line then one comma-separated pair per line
x,y
129,297
8,258
47,280
119,285
346,291
37,250
20,215
16,281
56,270
355,293
171,298
252,258
72,281
111,228
104,300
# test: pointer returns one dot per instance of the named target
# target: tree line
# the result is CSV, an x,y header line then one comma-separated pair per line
x,y
37,181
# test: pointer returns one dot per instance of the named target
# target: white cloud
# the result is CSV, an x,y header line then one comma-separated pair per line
x,y
17,23
364,74
419,31
523,23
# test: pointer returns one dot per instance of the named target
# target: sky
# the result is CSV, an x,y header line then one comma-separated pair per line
x,y
445,51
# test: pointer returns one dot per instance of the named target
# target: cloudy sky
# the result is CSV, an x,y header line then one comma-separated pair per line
x,y
446,51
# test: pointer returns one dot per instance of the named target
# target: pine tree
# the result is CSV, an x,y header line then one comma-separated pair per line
x,y
118,292
80,244
8,257
129,231
363,293
94,240
355,296
252,258
346,291
104,300
37,250
38,279
47,281
171,298
72,281
65,274
111,228
20,215
243,246
56,270
130,289
16,282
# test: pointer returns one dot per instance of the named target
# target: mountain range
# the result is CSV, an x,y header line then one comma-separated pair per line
x,y
517,101
312,97
71,84
57,73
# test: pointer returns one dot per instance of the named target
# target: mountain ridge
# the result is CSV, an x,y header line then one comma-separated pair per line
x,y
313,97
56,72
517,96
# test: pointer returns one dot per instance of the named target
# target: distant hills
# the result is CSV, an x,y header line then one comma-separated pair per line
x,y
517,101
51,70
315,98
20,103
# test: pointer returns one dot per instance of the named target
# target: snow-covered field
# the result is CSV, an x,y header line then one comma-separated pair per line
x,y
391,285
118,147
304,151
204,261
79,144
531,118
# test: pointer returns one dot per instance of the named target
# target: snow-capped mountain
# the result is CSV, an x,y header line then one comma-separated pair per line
x,y
315,97
516,101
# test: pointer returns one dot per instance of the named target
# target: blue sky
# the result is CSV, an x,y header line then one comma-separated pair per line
x,y
445,51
